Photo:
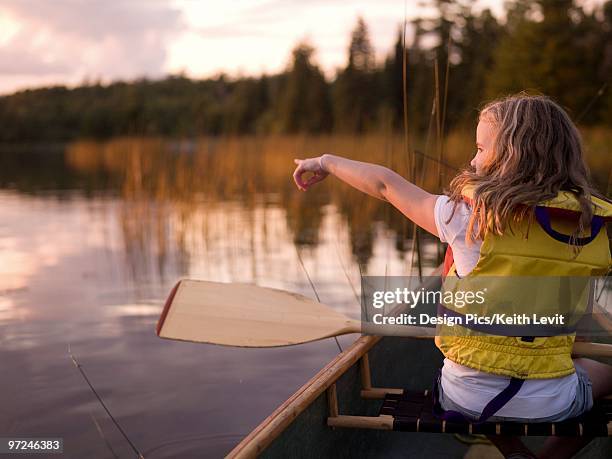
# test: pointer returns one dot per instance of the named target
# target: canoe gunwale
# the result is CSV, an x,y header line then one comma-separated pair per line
x,y
256,441
271,427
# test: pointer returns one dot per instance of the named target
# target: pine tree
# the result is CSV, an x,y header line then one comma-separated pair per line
x,y
541,52
305,103
354,95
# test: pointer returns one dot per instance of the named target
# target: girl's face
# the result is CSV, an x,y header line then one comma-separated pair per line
x,y
485,135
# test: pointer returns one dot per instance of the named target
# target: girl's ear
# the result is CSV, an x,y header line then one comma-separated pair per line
x,y
491,156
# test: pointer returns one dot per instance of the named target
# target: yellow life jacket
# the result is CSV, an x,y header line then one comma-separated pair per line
x,y
543,250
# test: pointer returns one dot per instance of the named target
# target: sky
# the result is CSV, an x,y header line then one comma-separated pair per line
x,y
70,42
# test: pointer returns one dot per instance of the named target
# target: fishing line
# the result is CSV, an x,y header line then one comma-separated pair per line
x,y
345,272
405,94
363,298
80,368
592,101
313,288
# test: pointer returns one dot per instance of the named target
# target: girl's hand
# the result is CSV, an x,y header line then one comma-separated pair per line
x,y
313,165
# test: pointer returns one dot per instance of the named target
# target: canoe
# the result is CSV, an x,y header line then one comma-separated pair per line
x,y
353,383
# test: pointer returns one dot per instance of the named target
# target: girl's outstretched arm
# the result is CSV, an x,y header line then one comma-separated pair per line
x,y
377,181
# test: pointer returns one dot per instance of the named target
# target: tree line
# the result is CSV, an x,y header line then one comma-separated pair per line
x,y
452,62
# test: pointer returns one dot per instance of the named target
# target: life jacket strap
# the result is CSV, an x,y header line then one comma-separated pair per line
x,y
494,405
543,218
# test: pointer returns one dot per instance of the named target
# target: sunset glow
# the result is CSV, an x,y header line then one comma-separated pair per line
x,y
72,41
44,43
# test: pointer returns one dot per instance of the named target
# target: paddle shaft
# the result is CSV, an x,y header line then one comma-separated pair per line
x,y
247,315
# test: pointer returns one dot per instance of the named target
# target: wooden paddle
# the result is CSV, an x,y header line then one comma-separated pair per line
x,y
246,315
250,316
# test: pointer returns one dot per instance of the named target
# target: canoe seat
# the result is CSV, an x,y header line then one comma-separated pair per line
x,y
412,412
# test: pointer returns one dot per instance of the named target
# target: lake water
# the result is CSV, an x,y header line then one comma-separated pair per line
x,y
94,236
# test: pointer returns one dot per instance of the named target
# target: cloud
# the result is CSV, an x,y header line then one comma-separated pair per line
x,y
98,19
254,36
66,41
76,39
19,59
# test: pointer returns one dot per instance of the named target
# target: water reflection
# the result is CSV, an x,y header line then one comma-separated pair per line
x,y
171,195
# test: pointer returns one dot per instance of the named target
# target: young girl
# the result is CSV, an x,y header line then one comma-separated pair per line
x,y
527,152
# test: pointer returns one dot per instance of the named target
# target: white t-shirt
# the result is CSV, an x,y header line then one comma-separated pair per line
x,y
473,389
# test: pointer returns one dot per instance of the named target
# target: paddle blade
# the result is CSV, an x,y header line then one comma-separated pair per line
x,y
247,315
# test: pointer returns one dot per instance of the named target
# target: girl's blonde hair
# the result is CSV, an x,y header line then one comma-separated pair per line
x,y
537,151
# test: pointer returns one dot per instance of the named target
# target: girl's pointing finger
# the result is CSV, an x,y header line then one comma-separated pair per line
x,y
297,178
